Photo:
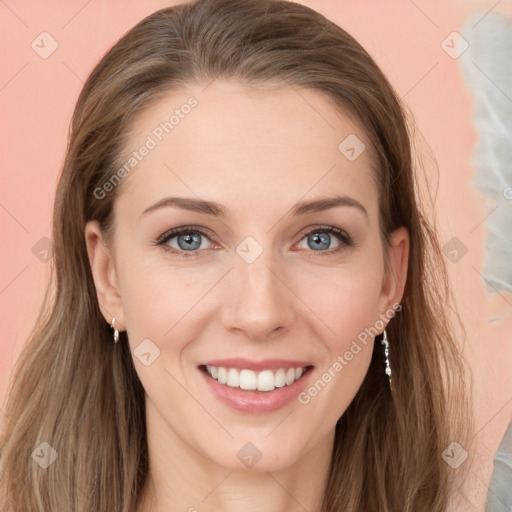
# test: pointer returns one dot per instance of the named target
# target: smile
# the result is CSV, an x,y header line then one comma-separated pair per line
x,y
255,386
265,380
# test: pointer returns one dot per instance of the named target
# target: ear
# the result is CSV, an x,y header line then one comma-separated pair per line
x,y
104,274
395,276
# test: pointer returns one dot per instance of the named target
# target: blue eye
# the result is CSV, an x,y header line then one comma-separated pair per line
x,y
188,239
320,238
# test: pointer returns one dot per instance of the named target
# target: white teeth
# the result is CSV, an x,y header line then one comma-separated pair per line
x,y
213,371
222,375
290,376
233,379
248,379
280,378
265,380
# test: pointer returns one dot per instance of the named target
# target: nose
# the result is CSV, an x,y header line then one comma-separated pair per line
x,y
258,302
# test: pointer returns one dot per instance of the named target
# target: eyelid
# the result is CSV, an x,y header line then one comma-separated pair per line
x,y
171,233
344,238
323,228
346,241
174,232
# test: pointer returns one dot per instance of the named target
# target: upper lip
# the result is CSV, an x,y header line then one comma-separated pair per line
x,y
241,363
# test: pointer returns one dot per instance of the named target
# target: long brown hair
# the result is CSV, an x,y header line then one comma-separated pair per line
x,y
76,390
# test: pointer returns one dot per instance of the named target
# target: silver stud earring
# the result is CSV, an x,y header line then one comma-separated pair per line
x,y
116,332
385,342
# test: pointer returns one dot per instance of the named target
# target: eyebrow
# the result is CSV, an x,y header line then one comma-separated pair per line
x,y
219,210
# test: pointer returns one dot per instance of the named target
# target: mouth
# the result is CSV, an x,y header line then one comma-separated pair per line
x,y
265,380
268,389
255,386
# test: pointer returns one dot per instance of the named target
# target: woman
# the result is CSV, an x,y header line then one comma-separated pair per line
x,y
249,309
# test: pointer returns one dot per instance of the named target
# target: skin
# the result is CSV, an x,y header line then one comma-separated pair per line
x,y
258,153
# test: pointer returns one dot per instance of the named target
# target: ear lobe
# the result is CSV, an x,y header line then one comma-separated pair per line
x,y
104,275
393,283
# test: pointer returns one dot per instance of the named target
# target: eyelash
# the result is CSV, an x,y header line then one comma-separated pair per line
x,y
343,237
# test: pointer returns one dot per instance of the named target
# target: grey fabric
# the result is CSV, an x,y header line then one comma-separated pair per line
x,y
486,60
499,497
487,69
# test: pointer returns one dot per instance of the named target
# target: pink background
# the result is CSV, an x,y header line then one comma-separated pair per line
x,y
37,98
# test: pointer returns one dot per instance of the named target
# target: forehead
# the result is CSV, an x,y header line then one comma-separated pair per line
x,y
232,140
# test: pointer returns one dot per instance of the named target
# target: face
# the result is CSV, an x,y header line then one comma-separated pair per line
x,y
255,286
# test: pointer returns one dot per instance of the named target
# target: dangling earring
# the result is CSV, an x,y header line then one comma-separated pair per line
x,y
116,332
384,342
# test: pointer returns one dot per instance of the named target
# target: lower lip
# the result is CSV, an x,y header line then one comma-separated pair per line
x,y
256,402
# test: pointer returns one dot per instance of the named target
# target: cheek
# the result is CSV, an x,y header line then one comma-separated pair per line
x,y
348,305
353,308
345,299
155,296
160,316
158,296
